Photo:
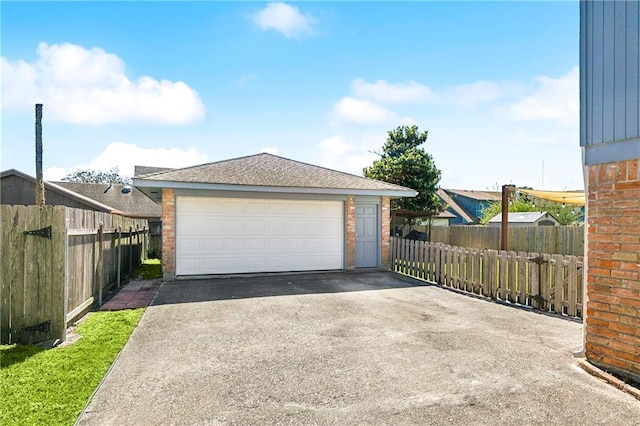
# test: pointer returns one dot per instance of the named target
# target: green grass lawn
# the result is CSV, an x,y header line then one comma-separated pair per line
x,y
150,269
52,386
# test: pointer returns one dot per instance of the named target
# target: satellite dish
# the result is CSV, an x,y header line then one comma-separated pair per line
x,y
126,189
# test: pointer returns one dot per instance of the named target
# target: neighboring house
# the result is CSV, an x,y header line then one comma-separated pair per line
x,y
17,188
610,137
265,213
467,205
129,200
521,219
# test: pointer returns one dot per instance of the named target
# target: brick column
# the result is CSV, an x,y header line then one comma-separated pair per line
x,y
351,232
168,233
385,229
612,335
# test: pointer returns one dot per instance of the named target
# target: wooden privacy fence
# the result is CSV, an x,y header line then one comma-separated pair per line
x,y
58,262
568,240
549,282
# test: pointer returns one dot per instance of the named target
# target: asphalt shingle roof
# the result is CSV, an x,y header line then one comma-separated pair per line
x,y
270,170
477,195
134,203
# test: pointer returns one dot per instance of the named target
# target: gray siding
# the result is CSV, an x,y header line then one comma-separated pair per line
x,y
15,190
609,80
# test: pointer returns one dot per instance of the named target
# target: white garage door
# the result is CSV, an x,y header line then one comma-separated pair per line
x,y
236,235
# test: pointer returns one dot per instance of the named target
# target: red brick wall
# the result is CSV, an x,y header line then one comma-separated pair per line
x,y
351,232
168,233
612,335
385,229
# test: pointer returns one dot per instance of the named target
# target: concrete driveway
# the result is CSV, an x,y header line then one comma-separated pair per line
x,y
348,348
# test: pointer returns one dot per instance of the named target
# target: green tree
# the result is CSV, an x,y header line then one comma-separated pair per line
x,y
97,176
566,215
404,162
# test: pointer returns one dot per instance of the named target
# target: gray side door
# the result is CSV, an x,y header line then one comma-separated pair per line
x,y
366,235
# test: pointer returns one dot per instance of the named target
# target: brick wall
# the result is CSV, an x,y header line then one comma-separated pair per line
x,y
351,232
168,233
385,229
612,335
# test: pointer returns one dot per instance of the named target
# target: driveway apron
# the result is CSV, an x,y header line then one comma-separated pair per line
x,y
348,348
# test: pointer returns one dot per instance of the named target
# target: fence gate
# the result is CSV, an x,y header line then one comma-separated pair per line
x,y
32,274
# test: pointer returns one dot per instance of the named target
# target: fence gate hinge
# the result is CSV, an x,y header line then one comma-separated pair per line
x,y
44,327
44,232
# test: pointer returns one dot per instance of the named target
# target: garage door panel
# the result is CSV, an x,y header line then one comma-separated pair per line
x,y
235,235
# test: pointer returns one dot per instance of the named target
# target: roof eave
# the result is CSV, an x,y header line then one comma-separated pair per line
x,y
143,184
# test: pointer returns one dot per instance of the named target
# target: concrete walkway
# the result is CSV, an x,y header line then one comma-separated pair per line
x,y
348,348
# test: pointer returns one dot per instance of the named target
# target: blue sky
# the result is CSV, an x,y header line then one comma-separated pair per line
x,y
182,83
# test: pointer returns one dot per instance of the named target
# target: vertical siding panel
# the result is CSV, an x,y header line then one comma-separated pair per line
x,y
633,70
584,58
619,70
608,56
597,81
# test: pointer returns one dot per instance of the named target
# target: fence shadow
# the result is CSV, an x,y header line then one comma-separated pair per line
x,y
239,287
16,354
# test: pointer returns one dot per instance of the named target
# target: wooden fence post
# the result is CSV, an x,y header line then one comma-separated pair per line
x,y
130,249
100,262
119,254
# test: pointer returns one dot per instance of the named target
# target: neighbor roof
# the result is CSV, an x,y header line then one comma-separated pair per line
x,y
133,204
519,217
477,195
269,172
453,205
50,186
147,170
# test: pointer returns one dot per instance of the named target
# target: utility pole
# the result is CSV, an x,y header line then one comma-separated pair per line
x,y
39,181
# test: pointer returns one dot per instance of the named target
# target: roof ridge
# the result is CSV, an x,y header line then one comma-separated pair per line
x,y
262,154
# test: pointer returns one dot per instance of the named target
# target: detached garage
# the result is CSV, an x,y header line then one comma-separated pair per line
x,y
265,213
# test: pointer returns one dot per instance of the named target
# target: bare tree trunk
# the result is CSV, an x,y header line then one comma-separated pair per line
x,y
39,181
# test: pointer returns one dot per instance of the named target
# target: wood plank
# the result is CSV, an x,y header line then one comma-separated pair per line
x,y
502,274
5,273
19,225
534,281
58,273
476,278
522,278
31,253
573,284
513,277
420,260
545,281
558,285
447,266
455,259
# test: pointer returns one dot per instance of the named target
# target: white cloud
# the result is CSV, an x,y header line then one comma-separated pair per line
x,y
126,156
358,111
385,92
54,173
552,99
270,150
479,92
89,86
339,153
285,19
